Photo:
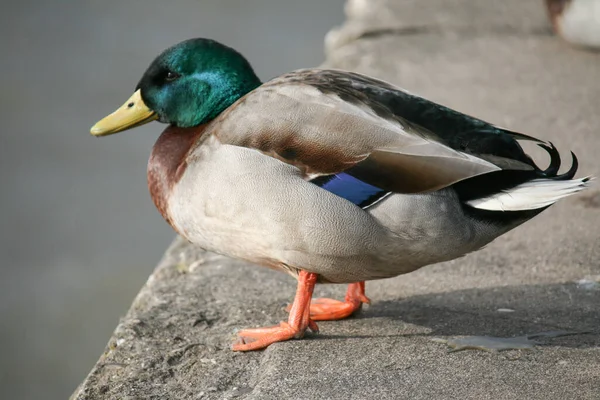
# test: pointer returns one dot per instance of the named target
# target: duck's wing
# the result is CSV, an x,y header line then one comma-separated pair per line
x,y
363,138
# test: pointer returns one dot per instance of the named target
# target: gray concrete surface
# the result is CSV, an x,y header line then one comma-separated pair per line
x,y
498,62
79,234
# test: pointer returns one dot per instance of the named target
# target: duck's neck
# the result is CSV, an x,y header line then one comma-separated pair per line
x,y
167,163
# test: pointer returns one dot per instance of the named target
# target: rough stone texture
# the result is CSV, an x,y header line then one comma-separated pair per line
x,y
490,59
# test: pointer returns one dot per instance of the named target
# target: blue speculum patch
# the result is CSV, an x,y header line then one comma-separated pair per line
x,y
350,188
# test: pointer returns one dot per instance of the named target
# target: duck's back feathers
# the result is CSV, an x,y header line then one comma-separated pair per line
x,y
340,129
363,138
457,130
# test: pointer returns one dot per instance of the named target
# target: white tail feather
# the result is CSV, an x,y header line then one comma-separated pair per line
x,y
531,195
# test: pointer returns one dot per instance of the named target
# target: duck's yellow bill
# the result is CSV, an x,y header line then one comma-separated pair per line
x,y
131,114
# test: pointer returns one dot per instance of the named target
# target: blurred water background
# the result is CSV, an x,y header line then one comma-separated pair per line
x,y
79,234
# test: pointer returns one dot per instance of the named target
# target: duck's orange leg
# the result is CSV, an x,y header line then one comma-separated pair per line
x,y
328,309
298,321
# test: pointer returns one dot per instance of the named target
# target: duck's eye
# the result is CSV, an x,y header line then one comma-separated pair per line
x,y
171,76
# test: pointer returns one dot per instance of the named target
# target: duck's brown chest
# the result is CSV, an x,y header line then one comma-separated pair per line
x,y
168,162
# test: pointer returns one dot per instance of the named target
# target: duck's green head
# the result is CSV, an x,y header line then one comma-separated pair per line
x,y
187,85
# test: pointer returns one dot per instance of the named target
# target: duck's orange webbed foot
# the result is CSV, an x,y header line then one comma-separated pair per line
x,y
298,321
323,309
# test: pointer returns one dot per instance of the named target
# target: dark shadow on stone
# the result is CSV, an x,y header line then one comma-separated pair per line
x,y
474,312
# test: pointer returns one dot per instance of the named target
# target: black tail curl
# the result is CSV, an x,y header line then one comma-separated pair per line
x,y
494,182
552,170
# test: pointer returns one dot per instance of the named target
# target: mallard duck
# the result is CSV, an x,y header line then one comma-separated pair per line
x,y
328,175
576,21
